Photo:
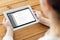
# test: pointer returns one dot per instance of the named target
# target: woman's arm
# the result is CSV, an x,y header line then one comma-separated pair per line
x,y
41,19
9,32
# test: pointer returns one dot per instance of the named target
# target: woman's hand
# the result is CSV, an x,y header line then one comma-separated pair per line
x,y
6,23
9,28
41,19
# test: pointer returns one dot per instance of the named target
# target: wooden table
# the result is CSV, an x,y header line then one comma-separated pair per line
x,y
32,32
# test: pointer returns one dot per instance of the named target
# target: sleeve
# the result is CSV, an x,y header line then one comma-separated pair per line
x,y
8,38
46,37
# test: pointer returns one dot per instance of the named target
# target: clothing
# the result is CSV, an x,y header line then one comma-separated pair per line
x,y
8,38
44,21
46,37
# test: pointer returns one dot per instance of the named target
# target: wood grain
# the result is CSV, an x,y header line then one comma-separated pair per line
x,y
33,2
28,2
1,19
2,31
17,5
2,9
8,2
35,37
29,31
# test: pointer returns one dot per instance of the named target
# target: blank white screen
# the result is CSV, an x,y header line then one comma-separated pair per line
x,y
22,17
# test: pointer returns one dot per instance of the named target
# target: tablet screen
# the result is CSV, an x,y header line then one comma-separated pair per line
x,y
21,17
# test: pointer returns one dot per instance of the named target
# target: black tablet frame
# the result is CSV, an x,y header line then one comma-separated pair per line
x,y
13,22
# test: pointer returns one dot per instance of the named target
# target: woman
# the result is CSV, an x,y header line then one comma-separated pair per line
x,y
50,8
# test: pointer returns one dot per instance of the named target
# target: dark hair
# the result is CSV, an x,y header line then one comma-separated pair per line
x,y
55,5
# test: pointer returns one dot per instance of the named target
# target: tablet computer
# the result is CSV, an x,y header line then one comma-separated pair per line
x,y
21,17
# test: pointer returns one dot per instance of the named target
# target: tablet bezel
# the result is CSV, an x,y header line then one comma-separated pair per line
x,y
17,10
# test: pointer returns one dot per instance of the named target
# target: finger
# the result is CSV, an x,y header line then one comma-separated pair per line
x,y
34,10
7,22
38,14
4,20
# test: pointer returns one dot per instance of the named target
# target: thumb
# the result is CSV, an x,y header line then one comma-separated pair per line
x,y
37,14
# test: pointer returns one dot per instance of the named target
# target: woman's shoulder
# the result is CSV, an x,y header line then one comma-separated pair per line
x,y
47,37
